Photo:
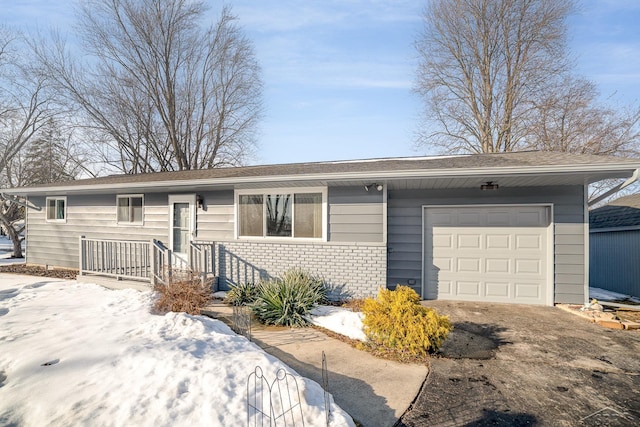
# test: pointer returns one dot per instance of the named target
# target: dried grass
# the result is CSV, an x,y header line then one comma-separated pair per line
x,y
183,296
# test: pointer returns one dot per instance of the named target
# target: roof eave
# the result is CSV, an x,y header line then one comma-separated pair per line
x,y
328,177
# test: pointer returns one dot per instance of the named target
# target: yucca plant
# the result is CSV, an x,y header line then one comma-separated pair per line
x,y
242,294
287,300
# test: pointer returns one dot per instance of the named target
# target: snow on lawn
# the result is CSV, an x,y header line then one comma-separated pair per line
x,y
79,354
340,320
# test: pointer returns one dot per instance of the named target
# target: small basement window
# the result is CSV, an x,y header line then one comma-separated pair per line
x,y
56,209
130,208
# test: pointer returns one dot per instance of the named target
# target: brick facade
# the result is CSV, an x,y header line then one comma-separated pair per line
x,y
351,271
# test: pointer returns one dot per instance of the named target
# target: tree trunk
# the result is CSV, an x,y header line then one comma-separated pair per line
x,y
14,235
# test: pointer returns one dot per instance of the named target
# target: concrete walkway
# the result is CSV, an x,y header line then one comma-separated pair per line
x,y
375,392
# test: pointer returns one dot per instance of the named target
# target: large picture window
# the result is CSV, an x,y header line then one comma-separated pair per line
x,y
56,209
129,209
281,214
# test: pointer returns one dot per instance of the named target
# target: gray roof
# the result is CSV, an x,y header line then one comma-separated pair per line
x,y
622,212
388,168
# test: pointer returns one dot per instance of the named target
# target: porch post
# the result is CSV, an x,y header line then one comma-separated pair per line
x,y
152,261
81,244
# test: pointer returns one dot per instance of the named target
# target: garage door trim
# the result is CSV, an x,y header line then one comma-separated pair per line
x,y
550,271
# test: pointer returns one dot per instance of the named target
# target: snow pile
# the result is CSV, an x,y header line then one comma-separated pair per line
x,y
79,354
340,320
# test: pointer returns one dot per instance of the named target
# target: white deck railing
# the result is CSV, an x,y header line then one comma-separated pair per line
x,y
150,261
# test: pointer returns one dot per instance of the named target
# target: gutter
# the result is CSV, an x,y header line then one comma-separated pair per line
x,y
633,178
368,175
24,204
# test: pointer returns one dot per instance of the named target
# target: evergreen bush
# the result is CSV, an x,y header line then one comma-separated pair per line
x,y
242,294
396,320
287,300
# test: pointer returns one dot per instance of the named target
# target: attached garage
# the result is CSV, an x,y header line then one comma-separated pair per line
x,y
488,253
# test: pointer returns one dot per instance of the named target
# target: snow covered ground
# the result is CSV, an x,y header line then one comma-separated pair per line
x,y
78,354
604,295
340,320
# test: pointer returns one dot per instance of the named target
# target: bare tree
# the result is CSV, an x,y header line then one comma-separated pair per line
x,y
165,93
569,118
483,63
25,106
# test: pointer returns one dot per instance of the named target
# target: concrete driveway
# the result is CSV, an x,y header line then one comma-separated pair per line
x,y
517,365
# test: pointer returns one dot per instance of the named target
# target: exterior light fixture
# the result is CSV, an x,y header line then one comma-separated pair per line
x,y
489,185
199,201
374,185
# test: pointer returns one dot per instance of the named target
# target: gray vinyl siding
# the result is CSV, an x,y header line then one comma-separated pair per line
x,y
216,220
94,216
355,215
404,232
615,261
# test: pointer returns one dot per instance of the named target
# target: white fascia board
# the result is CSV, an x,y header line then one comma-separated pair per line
x,y
328,177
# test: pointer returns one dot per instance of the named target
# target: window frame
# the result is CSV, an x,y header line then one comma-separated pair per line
x,y
46,210
129,196
264,192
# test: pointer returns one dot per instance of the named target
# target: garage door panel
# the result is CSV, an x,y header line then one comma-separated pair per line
x,y
466,219
498,217
468,265
524,241
442,218
442,241
468,288
444,287
498,265
530,218
498,241
528,266
469,241
487,253
498,289
442,264
527,291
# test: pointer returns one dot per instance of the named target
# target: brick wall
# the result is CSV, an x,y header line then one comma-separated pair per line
x,y
354,271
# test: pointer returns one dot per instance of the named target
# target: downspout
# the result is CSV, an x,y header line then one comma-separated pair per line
x,y
633,178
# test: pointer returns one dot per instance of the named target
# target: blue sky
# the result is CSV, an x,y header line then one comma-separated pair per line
x,y
338,73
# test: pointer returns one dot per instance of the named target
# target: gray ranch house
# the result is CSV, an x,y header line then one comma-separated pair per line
x,y
511,227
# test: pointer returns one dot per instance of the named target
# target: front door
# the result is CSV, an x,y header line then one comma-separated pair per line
x,y
182,220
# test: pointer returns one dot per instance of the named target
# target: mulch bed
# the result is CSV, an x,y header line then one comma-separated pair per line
x,y
37,270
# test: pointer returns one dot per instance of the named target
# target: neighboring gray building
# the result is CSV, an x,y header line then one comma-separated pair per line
x,y
510,227
614,246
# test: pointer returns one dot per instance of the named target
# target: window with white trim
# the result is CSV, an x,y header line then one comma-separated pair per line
x,y
56,209
285,214
129,208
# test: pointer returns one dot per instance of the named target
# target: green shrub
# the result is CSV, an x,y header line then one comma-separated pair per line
x,y
186,295
397,321
242,294
287,300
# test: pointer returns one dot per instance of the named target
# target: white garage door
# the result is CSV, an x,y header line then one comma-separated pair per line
x,y
489,253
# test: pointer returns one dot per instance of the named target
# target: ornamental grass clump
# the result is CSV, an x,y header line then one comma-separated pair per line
x,y
288,299
396,321
187,295
242,294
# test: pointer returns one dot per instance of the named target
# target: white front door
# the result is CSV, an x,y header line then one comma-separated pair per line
x,y
182,221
